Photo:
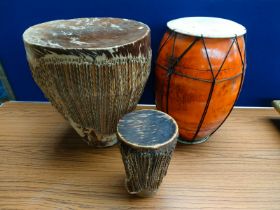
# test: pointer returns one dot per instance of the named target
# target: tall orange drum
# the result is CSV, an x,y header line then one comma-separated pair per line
x,y
199,73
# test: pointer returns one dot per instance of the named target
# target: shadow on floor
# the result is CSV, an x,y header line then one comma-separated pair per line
x,y
276,123
71,147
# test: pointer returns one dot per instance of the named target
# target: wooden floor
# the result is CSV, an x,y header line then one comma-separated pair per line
x,y
44,164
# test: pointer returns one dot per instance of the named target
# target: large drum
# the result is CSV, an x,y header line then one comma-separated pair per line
x,y
93,70
199,73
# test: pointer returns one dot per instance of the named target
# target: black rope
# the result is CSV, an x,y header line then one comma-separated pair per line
x,y
208,59
171,33
171,65
198,79
233,41
212,86
210,92
241,82
169,73
185,51
173,62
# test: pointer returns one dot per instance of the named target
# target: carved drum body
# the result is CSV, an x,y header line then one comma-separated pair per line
x,y
93,70
199,73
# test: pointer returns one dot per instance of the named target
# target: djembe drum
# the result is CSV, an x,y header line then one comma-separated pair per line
x,y
93,70
199,73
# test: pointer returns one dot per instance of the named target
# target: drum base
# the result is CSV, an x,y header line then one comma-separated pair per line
x,y
198,141
93,138
143,193
146,193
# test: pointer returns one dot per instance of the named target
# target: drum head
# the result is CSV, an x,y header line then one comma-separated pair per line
x,y
209,27
89,33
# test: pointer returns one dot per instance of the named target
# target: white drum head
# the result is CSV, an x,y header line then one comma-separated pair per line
x,y
209,27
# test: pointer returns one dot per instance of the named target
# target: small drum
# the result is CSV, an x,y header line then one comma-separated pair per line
x,y
199,73
147,141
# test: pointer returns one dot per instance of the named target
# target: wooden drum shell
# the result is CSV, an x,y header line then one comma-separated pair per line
x,y
200,90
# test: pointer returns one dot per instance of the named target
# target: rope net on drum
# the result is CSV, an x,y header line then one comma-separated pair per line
x,y
173,61
242,79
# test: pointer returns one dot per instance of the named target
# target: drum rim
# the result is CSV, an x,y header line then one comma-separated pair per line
x,y
242,29
153,146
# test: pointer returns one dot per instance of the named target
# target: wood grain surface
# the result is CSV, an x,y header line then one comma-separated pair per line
x,y
44,164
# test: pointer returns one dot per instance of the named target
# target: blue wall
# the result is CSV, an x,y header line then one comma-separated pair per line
x,y
260,17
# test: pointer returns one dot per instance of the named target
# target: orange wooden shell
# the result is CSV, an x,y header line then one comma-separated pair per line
x,y
196,97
